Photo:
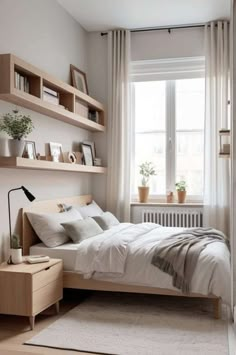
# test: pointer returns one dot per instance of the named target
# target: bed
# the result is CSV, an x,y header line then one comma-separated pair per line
x,y
71,279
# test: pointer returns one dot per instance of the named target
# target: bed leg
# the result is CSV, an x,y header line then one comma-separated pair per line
x,y
217,308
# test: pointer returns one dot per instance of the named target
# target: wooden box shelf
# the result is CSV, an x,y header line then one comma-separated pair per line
x,y
23,163
33,100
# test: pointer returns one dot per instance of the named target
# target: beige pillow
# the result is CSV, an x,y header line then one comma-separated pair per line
x,y
82,229
106,220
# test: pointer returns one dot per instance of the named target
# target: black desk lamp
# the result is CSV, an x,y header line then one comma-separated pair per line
x,y
30,198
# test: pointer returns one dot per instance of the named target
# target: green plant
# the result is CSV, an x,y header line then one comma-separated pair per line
x,y
15,242
16,125
146,170
181,185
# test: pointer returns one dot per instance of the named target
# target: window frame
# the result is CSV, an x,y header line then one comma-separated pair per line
x,y
168,70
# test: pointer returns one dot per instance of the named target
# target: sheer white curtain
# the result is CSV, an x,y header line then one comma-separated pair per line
x,y
119,125
216,190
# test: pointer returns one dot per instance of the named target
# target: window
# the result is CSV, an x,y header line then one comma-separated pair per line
x,y
169,131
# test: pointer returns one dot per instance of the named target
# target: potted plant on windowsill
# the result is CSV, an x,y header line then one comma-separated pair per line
x,y
181,191
146,170
16,126
16,250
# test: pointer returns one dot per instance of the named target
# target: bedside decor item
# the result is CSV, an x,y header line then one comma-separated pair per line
x,y
16,126
87,154
146,170
78,79
29,150
79,157
56,152
181,191
16,250
14,239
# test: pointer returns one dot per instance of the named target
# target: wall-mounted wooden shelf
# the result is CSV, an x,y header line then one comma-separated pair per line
x,y
23,163
69,96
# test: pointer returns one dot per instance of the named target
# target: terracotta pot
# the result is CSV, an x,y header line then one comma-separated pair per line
x,y
143,193
181,196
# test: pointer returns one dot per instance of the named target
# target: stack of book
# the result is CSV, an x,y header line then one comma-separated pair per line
x,y
93,116
21,82
50,95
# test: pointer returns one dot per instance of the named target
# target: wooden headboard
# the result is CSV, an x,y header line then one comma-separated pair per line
x,y
28,235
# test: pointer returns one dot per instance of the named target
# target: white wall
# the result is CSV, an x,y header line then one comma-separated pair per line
x,y
42,33
144,46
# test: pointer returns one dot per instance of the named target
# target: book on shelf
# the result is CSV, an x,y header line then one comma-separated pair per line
x,y
81,109
50,98
50,91
21,82
93,116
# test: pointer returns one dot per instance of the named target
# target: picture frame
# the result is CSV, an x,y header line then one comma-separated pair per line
x,y
56,152
29,150
87,154
79,79
92,144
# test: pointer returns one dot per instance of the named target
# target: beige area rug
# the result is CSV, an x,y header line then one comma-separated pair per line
x,y
129,324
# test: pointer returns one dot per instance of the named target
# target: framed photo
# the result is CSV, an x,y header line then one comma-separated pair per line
x,y
87,154
78,79
56,152
29,150
92,144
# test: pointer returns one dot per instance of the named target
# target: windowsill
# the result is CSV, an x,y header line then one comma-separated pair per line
x,y
165,204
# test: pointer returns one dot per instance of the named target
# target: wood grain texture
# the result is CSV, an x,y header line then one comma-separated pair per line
x,y
33,164
33,100
27,289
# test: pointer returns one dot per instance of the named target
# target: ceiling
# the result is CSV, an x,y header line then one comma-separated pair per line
x,y
101,15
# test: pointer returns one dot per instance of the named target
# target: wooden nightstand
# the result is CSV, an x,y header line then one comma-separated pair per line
x,y
27,289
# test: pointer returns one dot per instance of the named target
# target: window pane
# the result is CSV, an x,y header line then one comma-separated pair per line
x,y
190,133
150,106
190,104
151,147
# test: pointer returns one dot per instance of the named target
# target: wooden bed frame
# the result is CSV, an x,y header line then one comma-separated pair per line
x,y
75,280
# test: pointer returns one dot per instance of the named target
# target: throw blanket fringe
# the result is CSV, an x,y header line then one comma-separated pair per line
x,y
178,254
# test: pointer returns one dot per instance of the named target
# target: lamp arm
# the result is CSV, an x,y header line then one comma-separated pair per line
x,y
9,211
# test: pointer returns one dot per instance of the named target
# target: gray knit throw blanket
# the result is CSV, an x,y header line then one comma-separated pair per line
x,y
178,255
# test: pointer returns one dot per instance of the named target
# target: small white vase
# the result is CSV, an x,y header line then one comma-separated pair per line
x,y
16,147
16,256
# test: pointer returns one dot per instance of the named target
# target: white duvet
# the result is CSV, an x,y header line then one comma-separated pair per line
x,y
123,254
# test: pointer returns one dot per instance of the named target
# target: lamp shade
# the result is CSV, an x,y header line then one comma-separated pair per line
x,y
28,194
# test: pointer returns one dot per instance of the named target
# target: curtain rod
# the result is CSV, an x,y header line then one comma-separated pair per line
x,y
169,28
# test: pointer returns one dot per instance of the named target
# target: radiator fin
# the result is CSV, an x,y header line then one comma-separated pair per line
x,y
183,217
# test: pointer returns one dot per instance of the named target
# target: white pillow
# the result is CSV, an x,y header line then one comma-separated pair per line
x,y
106,220
48,227
90,210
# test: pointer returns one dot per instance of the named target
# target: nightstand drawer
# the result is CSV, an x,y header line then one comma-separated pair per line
x,y
46,276
47,295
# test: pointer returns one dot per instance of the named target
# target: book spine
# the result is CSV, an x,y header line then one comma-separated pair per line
x,y
50,91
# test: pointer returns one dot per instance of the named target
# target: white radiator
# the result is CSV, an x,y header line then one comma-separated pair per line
x,y
174,217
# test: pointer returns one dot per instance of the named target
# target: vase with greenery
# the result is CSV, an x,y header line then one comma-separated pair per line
x,y
147,170
16,250
181,190
17,126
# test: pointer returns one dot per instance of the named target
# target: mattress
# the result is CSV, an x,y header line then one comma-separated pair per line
x,y
66,252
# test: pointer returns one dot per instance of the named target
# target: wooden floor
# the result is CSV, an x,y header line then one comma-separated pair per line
x,y
14,331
